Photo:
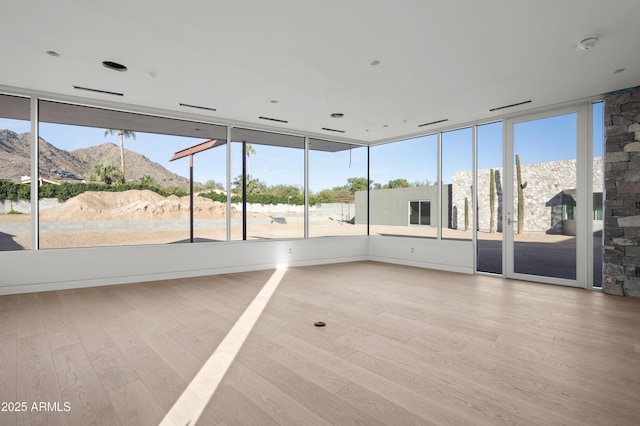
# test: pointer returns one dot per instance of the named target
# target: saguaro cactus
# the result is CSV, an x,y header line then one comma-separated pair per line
x,y
521,187
466,214
492,200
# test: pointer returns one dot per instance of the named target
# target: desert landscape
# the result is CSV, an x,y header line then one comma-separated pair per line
x,y
136,217
144,217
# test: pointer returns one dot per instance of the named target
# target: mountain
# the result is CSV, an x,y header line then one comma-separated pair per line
x,y
136,165
15,161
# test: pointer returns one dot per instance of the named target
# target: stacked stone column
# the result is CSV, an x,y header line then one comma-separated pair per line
x,y
622,188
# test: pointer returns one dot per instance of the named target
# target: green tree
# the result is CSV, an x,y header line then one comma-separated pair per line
x,y
418,183
285,191
106,172
212,184
122,134
147,180
398,183
358,184
250,152
254,186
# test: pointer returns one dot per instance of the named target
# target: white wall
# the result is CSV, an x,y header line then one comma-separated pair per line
x,y
29,271
447,255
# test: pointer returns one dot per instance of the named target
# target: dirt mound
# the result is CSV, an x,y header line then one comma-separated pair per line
x,y
132,205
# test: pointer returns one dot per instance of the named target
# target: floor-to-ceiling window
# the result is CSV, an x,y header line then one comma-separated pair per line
x,y
489,181
337,171
457,184
107,179
598,189
403,188
270,166
542,214
15,173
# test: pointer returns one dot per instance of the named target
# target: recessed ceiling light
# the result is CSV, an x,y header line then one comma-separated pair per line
x,y
385,125
618,71
274,101
586,43
337,115
114,66
53,53
375,62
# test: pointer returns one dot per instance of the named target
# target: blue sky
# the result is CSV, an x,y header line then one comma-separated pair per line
x,y
413,159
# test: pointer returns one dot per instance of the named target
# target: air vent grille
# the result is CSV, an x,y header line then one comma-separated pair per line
x,y
433,122
273,119
197,107
509,106
106,92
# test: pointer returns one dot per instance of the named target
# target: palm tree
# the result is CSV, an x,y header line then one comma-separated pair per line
x,y
121,134
106,172
250,152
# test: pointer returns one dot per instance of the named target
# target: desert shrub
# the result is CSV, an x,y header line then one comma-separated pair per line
x,y
261,198
9,190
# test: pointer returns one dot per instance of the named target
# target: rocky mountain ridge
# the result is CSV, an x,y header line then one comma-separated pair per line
x,y
15,161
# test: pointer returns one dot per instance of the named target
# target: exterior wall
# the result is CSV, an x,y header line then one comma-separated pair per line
x,y
543,194
391,206
23,206
622,188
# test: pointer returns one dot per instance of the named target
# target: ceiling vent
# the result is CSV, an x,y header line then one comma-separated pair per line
x,y
510,106
433,122
273,119
106,92
197,107
332,130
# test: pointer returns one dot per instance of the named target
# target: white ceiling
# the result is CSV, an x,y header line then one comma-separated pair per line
x,y
450,60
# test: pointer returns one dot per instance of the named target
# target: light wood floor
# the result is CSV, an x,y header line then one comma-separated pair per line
x,y
402,346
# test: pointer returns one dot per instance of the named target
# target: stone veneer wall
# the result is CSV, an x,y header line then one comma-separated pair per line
x,y
543,194
622,188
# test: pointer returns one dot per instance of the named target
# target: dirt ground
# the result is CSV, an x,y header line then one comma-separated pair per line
x,y
144,217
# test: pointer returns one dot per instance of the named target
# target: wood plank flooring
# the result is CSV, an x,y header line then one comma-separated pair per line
x,y
402,346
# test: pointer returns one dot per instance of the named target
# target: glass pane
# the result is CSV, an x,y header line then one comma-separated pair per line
x,y
598,184
15,173
425,212
402,172
336,172
108,179
457,184
489,212
274,165
544,197
414,213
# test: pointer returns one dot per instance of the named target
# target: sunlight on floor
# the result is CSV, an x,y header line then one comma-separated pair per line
x,y
196,396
